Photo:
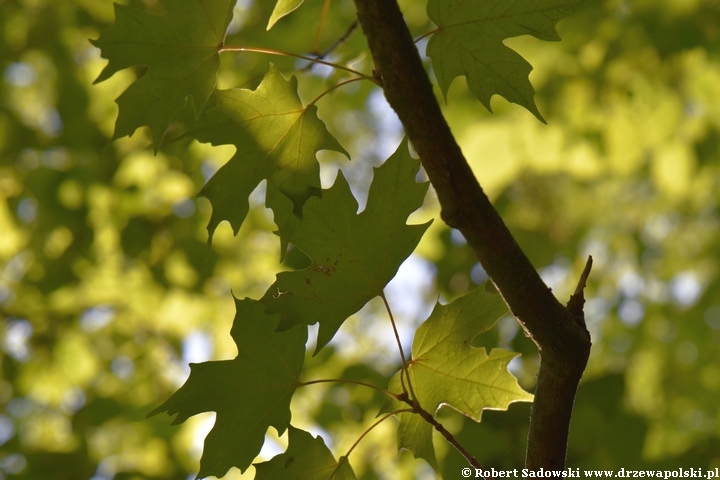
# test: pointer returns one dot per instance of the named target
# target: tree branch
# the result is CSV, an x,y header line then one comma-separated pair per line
x,y
564,343
427,416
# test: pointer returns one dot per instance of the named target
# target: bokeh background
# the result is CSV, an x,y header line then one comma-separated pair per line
x,y
108,288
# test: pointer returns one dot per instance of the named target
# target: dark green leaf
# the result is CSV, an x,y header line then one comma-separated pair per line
x,y
306,458
354,255
180,50
469,42
250,393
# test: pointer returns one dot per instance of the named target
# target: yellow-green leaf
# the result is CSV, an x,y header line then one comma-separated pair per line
x,y
446,370
282,8
276,139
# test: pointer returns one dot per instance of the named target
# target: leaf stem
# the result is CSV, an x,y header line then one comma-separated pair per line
x,y
400,348
344,457
427,416
394,396
269,51
426,34
367,430
345,82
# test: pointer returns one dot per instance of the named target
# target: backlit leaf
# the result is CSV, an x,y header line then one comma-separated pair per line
x,y
415,435
249,393
181,52
469,42
446,370
276,139
282,8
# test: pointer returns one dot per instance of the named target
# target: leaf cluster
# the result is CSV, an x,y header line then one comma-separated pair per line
x,y
353,256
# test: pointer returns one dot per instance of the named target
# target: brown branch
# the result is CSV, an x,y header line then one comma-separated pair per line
x,y
564,344
440,428
577,299
448,436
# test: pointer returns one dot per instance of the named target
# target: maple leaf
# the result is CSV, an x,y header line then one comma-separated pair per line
x,y
415,435
469,38
181,52
306,458
353,255
446,370
249,393
276,139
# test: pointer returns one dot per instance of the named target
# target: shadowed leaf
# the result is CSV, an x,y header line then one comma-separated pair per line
x,y
306,458
353,255
249,393
180,50
469,42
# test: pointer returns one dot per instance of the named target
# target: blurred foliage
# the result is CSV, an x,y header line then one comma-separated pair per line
x,y
108,287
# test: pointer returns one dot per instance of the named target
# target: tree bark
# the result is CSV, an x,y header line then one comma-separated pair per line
x,y
560,335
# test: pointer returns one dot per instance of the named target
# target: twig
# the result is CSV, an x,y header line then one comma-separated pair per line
x,y
269,51
416,408
384,417
338,43
577,299
404,369
355,382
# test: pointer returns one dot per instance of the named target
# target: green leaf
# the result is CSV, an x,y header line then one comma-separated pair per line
x,y
180,50
307,458
469,42
282,8
276,139
415,435
446,370
249,393
353,255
